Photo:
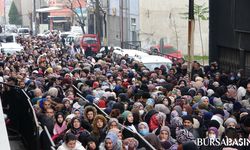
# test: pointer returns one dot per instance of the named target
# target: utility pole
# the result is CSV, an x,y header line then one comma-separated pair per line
x,y
105,29
34,18
191,25
97,18
122,24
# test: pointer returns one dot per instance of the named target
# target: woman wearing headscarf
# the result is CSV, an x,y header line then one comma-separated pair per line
x,y
165,137
111,142
60,125
130,143
230,123
78,131
129,120
154,141
112,123
143,128
67,107
212,133
99,130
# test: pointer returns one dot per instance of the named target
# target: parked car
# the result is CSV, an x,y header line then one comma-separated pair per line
x,y
91,40
23,32
45,34
64,34
169,52
153,61
132,54
101,53
8,44
73,38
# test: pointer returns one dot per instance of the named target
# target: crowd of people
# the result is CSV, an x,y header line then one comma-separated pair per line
x,y
169,108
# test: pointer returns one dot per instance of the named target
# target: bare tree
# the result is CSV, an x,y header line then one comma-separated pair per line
x,y
80,18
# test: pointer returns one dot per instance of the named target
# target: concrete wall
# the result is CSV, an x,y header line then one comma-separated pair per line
x,y
114,19
163,19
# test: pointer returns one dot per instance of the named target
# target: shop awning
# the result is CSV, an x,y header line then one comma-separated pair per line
x,y
48,9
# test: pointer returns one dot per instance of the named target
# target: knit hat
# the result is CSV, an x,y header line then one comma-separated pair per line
x,y
207,115
183,136
237,106
90,98
230,120
218,111
218,118
214,123
188,117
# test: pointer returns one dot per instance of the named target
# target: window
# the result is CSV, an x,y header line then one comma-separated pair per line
x,y
134,37
133,21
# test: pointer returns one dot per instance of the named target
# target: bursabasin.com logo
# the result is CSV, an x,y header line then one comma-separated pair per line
x,y
222,142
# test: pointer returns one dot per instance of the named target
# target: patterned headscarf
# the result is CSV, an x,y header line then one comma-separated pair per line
x,y
184,135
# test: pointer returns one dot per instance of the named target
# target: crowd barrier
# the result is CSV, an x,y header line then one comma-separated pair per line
x,y
22,116
142,141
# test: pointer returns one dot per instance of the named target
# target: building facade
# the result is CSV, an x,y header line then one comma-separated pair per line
x,y
122,17
165,19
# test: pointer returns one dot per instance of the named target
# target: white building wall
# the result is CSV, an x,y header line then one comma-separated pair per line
x,y
114,21
163,19
26,6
